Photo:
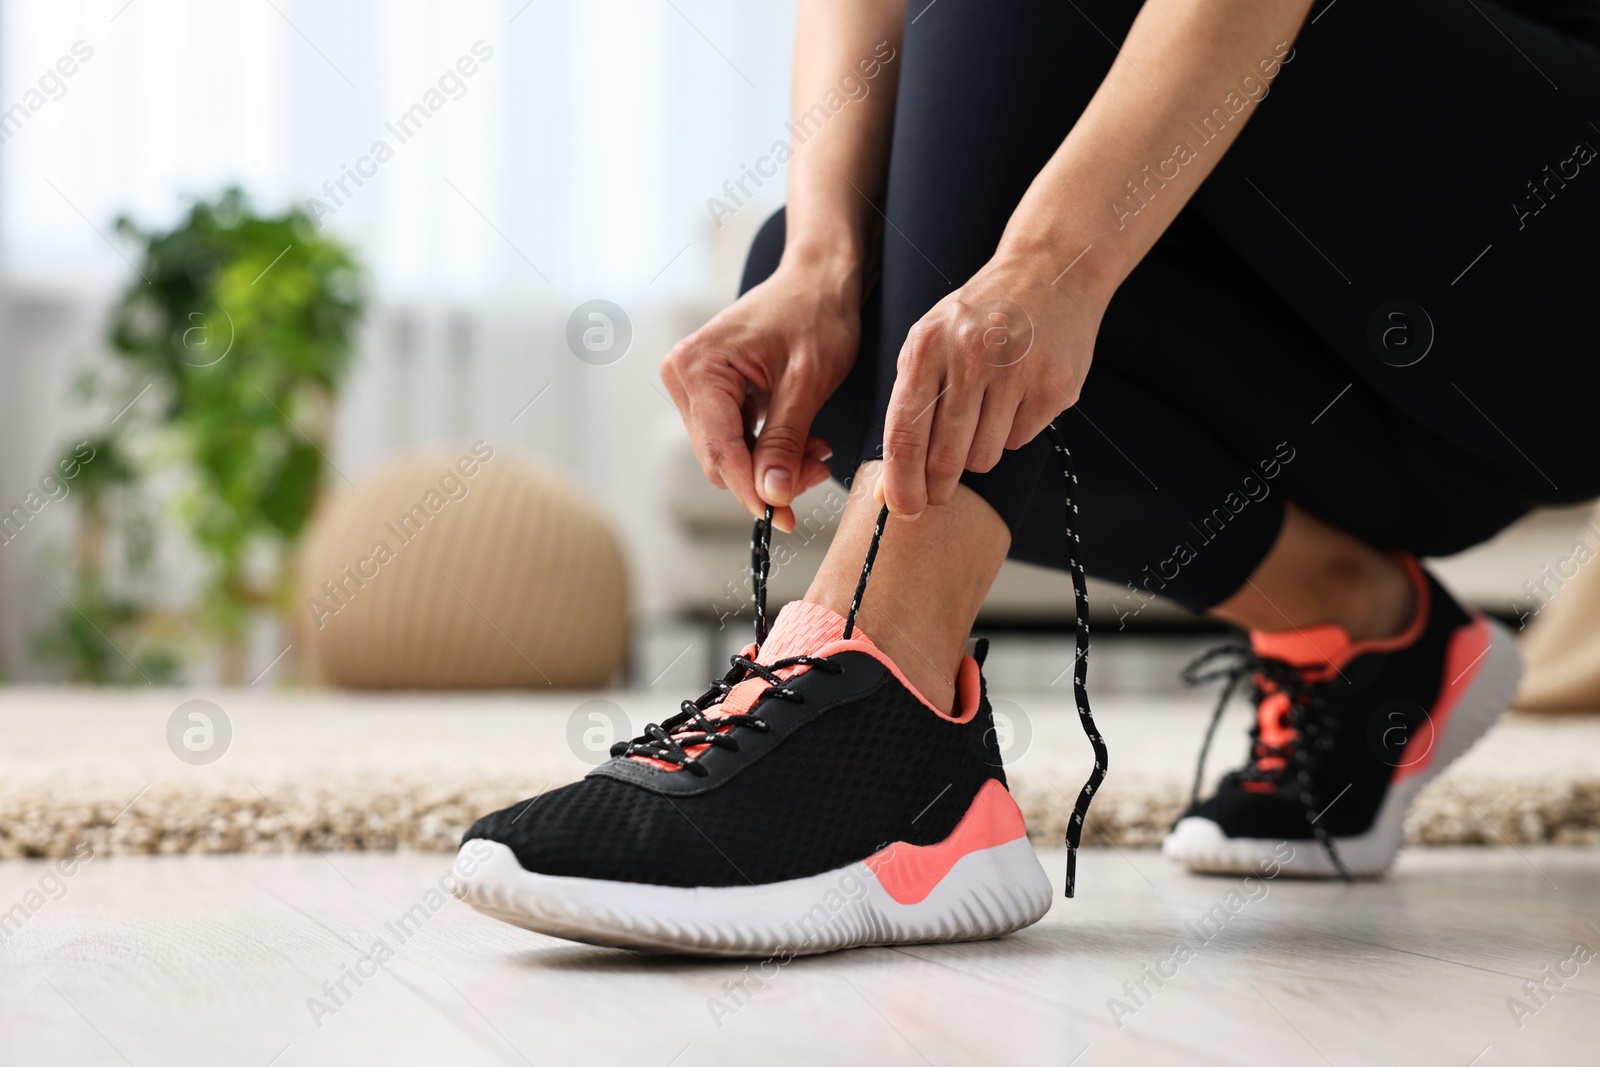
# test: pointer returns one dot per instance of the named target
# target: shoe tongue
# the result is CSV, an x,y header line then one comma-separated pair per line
x,y
1319,649
1314,646
801,629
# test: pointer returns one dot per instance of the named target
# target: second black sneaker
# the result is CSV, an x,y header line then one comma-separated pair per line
x,y
1347,733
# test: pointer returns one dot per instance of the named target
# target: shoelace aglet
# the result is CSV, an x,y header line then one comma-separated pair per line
x,y
1072,871
1326,841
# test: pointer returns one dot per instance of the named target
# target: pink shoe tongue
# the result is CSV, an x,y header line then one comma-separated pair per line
x,y
1313,646
1319,649
801,629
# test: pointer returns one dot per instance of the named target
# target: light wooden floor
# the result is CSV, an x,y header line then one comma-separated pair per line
x,y
212,960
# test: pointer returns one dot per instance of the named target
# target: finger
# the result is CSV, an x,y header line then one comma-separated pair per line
x,y
903,486
672,378
756,406
716,424
814,468
737,473
994,430
813,472
1033,415
715,409
955,418
781,445
683,384
751,413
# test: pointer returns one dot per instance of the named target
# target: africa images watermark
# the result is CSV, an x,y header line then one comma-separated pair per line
x,y
1554,576
1202,932
807,528
52,85
1537,994
405,528
1252,90
1252,489
850,887
805,125
53,486
51,886
338,991
1542,190
451,85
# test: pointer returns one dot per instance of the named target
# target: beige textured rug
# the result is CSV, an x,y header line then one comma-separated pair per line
x,y
122,771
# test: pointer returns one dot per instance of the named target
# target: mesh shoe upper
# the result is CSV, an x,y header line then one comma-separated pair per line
x,y
1335,719
856,762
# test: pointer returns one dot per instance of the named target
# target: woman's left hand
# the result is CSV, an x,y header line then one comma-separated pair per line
x,y
985,370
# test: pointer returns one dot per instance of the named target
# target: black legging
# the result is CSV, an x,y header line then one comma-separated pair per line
x,y
1254,356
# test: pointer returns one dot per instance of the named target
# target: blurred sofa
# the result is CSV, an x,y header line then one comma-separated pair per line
x,y
716,534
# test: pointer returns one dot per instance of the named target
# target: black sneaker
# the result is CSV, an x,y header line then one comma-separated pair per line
x,y
811,800
1347,733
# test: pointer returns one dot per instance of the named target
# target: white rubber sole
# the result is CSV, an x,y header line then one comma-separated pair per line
x,y
987,893
1201,846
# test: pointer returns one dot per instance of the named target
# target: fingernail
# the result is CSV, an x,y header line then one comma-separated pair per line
x,y
776,485
826,456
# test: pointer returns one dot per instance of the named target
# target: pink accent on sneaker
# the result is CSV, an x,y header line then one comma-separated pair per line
x,y
806,629
801,629
1323,651
1328,646
908,873
1462,661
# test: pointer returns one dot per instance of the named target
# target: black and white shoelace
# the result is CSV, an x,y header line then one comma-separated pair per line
x,y
1304,718
1080,658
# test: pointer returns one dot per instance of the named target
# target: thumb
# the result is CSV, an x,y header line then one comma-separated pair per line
x,y
781,445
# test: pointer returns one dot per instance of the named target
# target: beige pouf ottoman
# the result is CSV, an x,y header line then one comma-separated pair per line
x,y
468,567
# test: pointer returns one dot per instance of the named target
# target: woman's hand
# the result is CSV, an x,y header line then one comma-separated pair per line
x,y
985,370
771,358
995,361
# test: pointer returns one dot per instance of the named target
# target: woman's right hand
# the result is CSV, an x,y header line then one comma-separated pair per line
x,y
770,359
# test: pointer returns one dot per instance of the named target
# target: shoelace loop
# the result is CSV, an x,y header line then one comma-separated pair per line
x,y
670,740
1269,762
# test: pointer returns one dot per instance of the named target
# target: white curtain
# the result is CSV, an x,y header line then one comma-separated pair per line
x,y
591,139
573,163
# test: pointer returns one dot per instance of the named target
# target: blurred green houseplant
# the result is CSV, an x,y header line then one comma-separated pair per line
x,y
106,634
243,324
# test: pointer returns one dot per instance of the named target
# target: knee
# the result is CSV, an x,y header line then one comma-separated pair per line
x,y
765,252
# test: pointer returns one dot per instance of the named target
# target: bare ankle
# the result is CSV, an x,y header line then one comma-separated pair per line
x,y
929,660
928,581
1371,599
1317,575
